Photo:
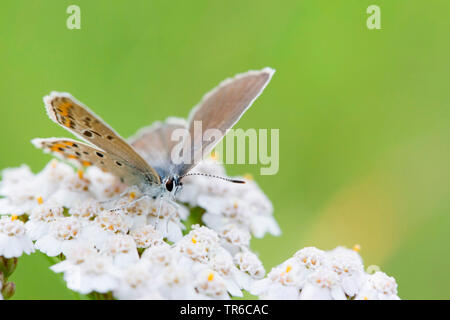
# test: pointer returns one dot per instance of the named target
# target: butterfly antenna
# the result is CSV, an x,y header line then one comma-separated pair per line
x,y
212,176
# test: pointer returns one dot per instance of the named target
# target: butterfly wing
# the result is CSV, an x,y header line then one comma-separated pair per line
x,y
220,109
84,155
154,143
71,114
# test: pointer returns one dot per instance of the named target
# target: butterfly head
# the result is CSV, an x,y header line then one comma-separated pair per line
x,y
172,184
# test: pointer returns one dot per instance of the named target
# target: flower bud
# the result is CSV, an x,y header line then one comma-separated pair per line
x,y
8,290
7,266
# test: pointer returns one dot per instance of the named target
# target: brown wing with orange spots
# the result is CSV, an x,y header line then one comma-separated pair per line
x,y
83,155
71,114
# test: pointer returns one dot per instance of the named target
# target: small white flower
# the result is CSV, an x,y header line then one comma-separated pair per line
x,y
348,265
133,206
222,263
64,233
15,177
137,213
165,217
199,243
111,221
220,211
105,225
311,258
146,236
73,191
19,190
23,191
248,262
322,284
136,282
345,253
122,248
378,286
54,173
13,239
210,285
104,185
177,283
234,238
88,209
283,282
41,218
159,256
85,270
251,269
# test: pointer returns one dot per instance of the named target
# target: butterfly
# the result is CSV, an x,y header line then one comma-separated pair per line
x,y
145,160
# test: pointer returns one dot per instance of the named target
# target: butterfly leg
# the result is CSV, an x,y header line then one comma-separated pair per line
x,y
131,203
177,207
158,214
174,203
110,201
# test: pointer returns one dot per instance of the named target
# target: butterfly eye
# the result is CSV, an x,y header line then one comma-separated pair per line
x,y
169,185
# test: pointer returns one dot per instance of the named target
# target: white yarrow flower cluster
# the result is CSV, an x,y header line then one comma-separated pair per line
x,y
110,240
313,274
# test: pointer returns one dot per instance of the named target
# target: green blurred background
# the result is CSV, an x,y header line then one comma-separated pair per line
x,y
364,115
